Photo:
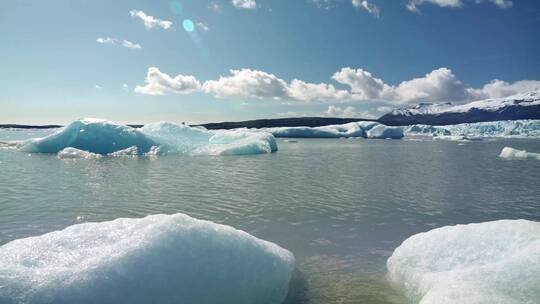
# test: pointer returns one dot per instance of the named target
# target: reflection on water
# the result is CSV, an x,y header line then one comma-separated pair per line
x,y
341,206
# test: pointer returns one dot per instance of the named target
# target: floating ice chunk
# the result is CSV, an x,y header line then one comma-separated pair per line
x,y
353,129
131,151
367,125
492,262
181,139
511,153
176,139
457,138
156,259
333,131
104,137
92,135
506,128
242,142
72,153
384,132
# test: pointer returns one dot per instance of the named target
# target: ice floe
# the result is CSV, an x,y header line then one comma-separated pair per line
x,y
156,259
492,262
511,153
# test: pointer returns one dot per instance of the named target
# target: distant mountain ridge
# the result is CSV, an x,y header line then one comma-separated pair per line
x,y
256,123
283,122
519,106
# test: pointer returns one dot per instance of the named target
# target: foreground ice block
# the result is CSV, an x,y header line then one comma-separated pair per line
x,y
492,262
105,137
156,259
511,153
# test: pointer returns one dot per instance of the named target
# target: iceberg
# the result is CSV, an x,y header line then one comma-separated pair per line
x,y
491,262
511,153
92,135
505,128
105,137
384,132
365,129
156,259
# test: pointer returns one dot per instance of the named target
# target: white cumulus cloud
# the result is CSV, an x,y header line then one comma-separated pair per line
x,y
440,84
366,5
114,41
247,83
106,40
130,45
304,91
347,112
412,5
384,109
150,21
499,88
499,3
436,86
245,4
363,84
158,83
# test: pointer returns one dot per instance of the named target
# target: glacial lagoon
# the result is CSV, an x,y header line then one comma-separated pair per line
x,y
341,206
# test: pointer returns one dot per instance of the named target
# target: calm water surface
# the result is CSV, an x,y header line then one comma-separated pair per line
x,y
341,206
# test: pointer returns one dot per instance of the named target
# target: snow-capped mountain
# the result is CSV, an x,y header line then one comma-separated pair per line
x,y
519,106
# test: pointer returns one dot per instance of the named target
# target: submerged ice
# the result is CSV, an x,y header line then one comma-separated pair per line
x,y
156,259
492,262
366,129
506,128
104,137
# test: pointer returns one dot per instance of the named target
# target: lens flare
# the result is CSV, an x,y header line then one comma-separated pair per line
x,y
188,25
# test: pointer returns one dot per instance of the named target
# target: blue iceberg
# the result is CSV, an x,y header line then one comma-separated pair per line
x,y
156,259
364,129
92,135
105,137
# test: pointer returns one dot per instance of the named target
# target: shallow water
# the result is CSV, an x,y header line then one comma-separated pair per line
x,y
341,206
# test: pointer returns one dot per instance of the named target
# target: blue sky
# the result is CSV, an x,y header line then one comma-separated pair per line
x,y
133,61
